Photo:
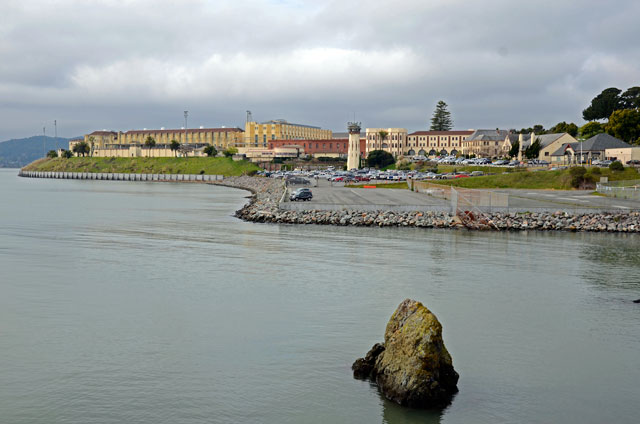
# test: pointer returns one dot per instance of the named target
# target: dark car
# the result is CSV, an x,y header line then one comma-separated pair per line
x,y
298,181
301,194
633,162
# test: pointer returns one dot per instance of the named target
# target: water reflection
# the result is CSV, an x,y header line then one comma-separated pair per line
x,y
393,413
611,262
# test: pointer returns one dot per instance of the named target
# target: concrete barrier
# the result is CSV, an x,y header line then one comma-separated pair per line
x,y
116,176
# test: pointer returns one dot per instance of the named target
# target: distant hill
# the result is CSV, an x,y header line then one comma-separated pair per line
x,y
19,152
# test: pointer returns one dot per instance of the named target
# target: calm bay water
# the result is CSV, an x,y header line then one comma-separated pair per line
x,y
150,303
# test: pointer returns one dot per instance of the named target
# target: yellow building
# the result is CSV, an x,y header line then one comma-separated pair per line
x,y
99,139
220,138
393,142
436,143
259,134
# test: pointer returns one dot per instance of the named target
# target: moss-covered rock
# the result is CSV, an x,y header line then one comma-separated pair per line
x,y
413,367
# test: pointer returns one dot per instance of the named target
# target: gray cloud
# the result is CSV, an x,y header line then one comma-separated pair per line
x,y
133,64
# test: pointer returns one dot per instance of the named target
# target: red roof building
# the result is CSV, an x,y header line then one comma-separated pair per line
x,y
330,147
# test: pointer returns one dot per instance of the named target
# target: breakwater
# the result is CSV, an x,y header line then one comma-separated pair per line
x,y
267,194
264,207
119,176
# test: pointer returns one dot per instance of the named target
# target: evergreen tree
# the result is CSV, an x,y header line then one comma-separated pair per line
x,y
441,120
515,148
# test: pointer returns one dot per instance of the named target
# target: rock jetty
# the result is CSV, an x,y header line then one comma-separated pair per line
x,y
267,194
413,367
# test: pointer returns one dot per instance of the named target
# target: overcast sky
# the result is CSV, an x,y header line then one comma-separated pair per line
x,y
125,64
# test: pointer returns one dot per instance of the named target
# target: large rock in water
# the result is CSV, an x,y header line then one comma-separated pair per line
x,y
413,367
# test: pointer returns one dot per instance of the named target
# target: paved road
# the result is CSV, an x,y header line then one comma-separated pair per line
x,y
335,196
567,198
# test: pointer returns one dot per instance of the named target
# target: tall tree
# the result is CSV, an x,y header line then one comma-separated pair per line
x,y
590,129
82,148
380,159
625,125
149,142
603,105
537,128
630,99
533,150
441,120
174,146
562,127
210,150
383,136
52,154
92,144
515,148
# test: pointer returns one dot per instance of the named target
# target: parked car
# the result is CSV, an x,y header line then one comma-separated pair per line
x,y
301,194
298,180
633,162
476,173
461,176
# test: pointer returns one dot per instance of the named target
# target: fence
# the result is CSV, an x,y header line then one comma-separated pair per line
x,y
464,198
115,176
629,189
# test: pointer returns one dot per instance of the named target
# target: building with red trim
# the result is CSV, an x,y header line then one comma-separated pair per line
x,y
337,147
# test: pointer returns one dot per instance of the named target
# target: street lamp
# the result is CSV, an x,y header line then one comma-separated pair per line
x,y
186,114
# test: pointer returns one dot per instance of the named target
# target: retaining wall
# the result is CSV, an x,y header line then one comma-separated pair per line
x,y
115,176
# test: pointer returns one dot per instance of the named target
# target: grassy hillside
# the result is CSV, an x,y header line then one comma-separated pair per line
x,y
557,180
205,165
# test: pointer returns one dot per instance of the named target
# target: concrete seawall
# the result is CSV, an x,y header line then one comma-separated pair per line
x,y
116,176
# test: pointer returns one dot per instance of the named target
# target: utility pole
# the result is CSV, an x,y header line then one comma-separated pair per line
x,y
186,114
44,139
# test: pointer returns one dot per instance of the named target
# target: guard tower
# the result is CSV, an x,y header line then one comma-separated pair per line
x,y
353,155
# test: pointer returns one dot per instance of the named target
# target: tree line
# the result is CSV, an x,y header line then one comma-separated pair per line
x,y
620,111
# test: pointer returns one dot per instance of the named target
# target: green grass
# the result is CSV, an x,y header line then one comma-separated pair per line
x,y
138,165
556,180
389,185
443,169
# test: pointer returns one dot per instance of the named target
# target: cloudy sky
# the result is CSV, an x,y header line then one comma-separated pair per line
x,y
130,64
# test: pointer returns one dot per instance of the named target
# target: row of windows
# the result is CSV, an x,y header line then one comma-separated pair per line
x,y
441,138
324,146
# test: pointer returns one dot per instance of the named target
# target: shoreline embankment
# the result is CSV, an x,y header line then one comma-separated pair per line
x,y
263,207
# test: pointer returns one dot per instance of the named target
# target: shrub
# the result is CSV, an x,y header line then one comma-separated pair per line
x,y
252,172
230,152
577,171
616,166
210,151
52,154
380,159
579,177
403,165
596,171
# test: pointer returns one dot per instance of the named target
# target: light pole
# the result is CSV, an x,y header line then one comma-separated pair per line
x,y
186,114
44,139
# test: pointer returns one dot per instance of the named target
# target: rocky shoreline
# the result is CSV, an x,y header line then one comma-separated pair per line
x,y
267,193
